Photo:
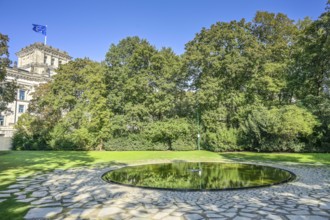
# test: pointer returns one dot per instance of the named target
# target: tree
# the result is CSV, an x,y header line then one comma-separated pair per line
x,y
310,75
33,127
278,129
80,94
310,72
7,89
129,83
220,63
143,84
170,131
71,112
277,36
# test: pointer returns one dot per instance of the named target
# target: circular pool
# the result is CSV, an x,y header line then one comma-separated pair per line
x,y
198,176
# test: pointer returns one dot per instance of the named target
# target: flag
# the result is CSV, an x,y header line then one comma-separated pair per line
x,y
40,28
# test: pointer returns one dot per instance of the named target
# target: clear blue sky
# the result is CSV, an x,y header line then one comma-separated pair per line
x,y
86,28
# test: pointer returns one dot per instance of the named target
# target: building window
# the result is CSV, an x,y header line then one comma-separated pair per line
x,y
45,59
21,94
21,108
59,62
2,120
53,60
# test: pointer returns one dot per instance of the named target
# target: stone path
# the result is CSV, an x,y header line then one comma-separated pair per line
x,y
81,194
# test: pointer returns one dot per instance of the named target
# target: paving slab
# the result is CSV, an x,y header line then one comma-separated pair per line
x,y
274,217
43,213
109,211
193,217
4,195
39,194
9,191
26,200
16,186
81,212
306,217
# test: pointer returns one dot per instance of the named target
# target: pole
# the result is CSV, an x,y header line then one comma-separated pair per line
x,y
198,132
46,36
15,115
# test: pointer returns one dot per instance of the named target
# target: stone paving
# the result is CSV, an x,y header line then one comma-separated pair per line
x,y
80,193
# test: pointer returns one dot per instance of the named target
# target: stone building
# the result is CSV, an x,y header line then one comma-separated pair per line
x,y
36,64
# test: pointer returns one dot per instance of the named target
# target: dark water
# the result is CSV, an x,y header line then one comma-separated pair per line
x,y
198,176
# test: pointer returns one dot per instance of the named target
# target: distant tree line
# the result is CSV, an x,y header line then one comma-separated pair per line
x,y
260,86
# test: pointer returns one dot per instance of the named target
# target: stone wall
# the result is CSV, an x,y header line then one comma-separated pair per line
x,y
5,143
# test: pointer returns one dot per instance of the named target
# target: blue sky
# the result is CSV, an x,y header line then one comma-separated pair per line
x,y
86,28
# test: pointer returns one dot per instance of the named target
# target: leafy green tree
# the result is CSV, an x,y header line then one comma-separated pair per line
x,y
218,136
277,36
33,127
310,75
311,72
221,62
171,132
29,133
277,33
7,89
143,84
70,112
278,129
80,92
127,79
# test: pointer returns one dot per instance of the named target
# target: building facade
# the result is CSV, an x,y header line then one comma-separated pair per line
x,y
36,64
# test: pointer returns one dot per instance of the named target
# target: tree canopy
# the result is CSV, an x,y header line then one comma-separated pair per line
x,y
261,85
7,89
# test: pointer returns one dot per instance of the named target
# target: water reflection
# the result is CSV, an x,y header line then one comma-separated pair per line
x,y
204,176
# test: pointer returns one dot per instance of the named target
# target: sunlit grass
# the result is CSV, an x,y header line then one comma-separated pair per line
x,y
12,210
304,158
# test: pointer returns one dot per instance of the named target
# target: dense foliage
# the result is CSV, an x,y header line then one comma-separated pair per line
x,y
7,89
261,85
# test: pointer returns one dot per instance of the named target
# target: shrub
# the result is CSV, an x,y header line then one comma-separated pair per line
x,y
168,132
184,144
29,134
221,140
277,129
133,142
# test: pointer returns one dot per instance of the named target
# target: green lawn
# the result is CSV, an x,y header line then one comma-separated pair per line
x,y
302,158
20,163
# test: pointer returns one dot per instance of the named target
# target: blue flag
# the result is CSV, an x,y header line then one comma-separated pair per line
x,y
40,29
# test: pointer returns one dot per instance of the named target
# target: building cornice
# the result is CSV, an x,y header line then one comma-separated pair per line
x,y
40,46
26,75
44,65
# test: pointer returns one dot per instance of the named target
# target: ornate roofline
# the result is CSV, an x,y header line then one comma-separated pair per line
x,y
33,64
43,47
23,74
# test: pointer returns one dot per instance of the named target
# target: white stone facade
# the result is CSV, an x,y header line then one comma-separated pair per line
x,y
36,64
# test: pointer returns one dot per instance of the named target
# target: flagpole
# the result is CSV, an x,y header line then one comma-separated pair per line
x,y
46,36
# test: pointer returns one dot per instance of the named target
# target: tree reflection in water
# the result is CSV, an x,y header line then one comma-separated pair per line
x,y
198,176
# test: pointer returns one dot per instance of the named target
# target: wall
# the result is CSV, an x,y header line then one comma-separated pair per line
x,y
5,143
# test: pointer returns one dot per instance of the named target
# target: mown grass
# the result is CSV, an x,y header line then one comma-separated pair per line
x,y
302,158
14,164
